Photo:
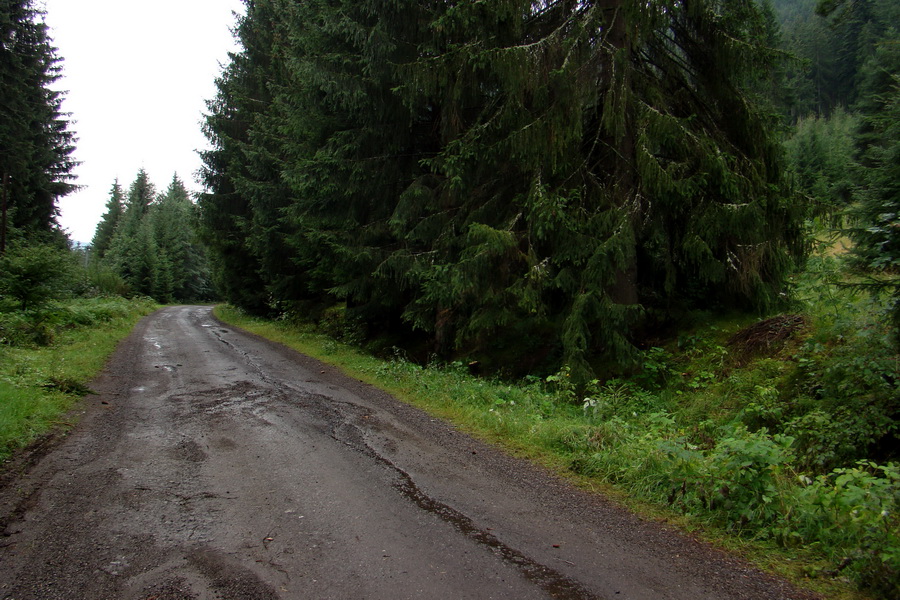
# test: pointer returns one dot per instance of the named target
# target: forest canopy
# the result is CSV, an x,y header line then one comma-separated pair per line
x,y
554,177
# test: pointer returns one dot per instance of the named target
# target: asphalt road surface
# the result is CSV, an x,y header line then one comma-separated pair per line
x,y
215,464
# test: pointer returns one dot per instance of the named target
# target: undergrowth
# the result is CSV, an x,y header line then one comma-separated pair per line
x,y
789,447
49,354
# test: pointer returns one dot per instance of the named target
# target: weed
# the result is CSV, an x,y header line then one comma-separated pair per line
x,y
40,381
856,512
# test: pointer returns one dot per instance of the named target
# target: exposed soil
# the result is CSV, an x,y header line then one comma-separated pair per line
x,y
214,464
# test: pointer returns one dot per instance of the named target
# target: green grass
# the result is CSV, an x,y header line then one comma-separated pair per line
x,y
25,413
684,445
40,383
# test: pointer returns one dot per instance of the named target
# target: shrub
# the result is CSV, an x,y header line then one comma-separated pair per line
x,y
33,275
24,329
103,281
856,512
738,478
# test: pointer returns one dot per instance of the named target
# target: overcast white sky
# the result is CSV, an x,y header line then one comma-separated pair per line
x,y
138,73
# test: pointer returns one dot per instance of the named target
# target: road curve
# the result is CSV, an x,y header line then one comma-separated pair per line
x,y
215,464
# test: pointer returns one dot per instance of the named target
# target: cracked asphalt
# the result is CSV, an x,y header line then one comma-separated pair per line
x,y
211,463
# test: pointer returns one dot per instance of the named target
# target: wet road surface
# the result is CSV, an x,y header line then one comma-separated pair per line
x,y
214,464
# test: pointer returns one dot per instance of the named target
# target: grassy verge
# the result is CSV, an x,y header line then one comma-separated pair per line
x,y
702,438
48,358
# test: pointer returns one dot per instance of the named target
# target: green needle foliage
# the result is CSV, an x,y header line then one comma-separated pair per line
x,y
150,242
115,208
542,176
35,141
876,229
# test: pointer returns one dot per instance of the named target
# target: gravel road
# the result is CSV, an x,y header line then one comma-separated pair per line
x,y
215,464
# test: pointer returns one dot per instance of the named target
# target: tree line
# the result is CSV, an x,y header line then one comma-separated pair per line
x,y
148,240
843,104
549,182
832,44
557,178
145,244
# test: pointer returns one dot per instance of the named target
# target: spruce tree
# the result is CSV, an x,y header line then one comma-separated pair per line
x,y
831,41
876,228
225,213
132,251
351,147
258,180
597,159
182,272
538,174
35,141
103,235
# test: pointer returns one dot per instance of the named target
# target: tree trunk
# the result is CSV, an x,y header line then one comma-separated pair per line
x,y
621,140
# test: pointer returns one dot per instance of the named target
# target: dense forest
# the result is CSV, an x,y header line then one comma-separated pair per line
x,y
527,183
148,240
671,229
550,182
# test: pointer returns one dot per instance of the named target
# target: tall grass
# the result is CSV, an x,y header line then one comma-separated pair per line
x,y
48,357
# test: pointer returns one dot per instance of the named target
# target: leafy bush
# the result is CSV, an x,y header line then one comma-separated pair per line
x,y
855,511
618,397
103,281
847,389
738,478
41,327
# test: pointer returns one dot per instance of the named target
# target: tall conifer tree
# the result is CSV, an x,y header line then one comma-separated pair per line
x,y
259,180
35,141
597,158
544,171
115,208
876,228
182,272
132,252
351,147
226,215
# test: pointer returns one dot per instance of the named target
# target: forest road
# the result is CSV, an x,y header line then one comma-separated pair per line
x,y
215,464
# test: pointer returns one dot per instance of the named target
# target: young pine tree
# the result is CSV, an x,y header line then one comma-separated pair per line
x,y
876,233
103,235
